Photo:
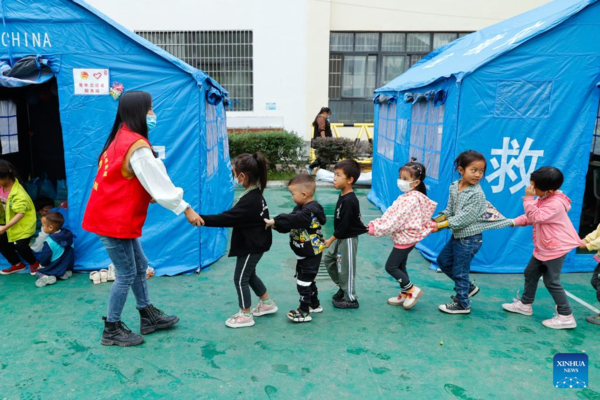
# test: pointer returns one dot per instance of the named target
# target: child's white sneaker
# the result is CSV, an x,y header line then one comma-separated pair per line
x,y
45,281
240,320
560,322
264,309
316,310
412,297
518,307
397,301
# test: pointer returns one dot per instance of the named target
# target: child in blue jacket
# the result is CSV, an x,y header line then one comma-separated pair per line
x,y
57,256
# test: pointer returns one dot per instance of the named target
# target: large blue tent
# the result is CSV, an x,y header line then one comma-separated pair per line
x,y
524,93
71,38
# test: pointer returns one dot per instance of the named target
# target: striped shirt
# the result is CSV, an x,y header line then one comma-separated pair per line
x,y
470,214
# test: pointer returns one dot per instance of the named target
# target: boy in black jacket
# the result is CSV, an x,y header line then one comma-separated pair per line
x,y
306,241
340,259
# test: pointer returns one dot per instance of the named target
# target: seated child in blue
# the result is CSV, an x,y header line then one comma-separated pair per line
x,y
57,256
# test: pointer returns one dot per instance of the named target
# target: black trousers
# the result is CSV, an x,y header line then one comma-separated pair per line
x,y
396,267
10,249
596,281
245,277
306,273
550,272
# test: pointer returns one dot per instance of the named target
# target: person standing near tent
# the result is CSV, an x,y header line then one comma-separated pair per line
x,y
129,178
321,128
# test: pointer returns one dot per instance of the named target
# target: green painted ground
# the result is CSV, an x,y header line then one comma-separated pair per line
x,y
50,337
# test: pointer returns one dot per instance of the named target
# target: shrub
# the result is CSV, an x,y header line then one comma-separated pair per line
x,y
330,150
279,147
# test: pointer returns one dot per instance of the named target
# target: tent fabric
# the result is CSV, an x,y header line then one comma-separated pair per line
x,y
72,35
532,106
465,55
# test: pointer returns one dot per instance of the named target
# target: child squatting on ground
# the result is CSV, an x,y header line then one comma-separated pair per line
x,y
407,221
249,239
340,258
467,214
306,240
57,256
17,220
553,237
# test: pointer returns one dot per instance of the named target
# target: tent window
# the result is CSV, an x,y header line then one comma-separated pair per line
x,y
9,137
523,99
212,140
596,138
426,132
402,131
227,56
386,130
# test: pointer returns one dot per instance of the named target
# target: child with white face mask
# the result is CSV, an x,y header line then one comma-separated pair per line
x,y
407,222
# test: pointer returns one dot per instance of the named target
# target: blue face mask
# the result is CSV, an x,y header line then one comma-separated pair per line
x,y
151,122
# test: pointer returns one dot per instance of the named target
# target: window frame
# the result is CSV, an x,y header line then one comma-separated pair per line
x,y
379,54
234,59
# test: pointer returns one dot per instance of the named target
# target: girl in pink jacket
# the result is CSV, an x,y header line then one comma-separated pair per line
x,y
407,221
553,237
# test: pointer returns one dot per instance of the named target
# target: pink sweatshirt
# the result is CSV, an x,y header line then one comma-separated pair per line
x,y
407,221
553,233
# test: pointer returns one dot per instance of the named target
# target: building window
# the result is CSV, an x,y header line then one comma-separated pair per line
x,y
224,55
426,129
360,62
596,138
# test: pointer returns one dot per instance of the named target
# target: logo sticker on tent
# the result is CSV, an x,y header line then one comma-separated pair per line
x,y
91,81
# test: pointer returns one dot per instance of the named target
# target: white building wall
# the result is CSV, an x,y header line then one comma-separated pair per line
x,y
291,39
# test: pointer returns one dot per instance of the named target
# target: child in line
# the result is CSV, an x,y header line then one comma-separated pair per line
x,y
592,243
57,256
249,239
467,215
553,237
18,221
340,259
306,240
407,221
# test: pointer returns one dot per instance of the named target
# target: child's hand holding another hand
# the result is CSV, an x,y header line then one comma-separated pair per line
x,y
583,244
269,223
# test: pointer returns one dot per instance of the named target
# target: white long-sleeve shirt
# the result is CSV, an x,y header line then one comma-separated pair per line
x,y
152,174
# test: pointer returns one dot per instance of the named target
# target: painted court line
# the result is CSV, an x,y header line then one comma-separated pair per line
x,y
583,303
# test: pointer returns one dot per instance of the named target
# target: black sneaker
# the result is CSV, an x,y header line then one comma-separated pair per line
x,y
454,308
473,290
118,334
299,316
593,319
345,303
152,319
339,295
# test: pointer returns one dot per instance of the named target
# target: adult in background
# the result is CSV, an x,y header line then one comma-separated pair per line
x,y
321,128
129,178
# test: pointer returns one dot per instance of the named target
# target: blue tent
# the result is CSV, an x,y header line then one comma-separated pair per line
x,y
524,93
72,38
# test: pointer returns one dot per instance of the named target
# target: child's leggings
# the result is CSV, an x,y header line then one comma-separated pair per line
x,y
10,249
596,281
396,267
550,271
245,275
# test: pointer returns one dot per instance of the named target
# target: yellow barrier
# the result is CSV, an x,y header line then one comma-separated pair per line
x,y
365,163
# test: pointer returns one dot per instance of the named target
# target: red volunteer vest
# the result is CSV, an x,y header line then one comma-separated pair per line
x,y
118,205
